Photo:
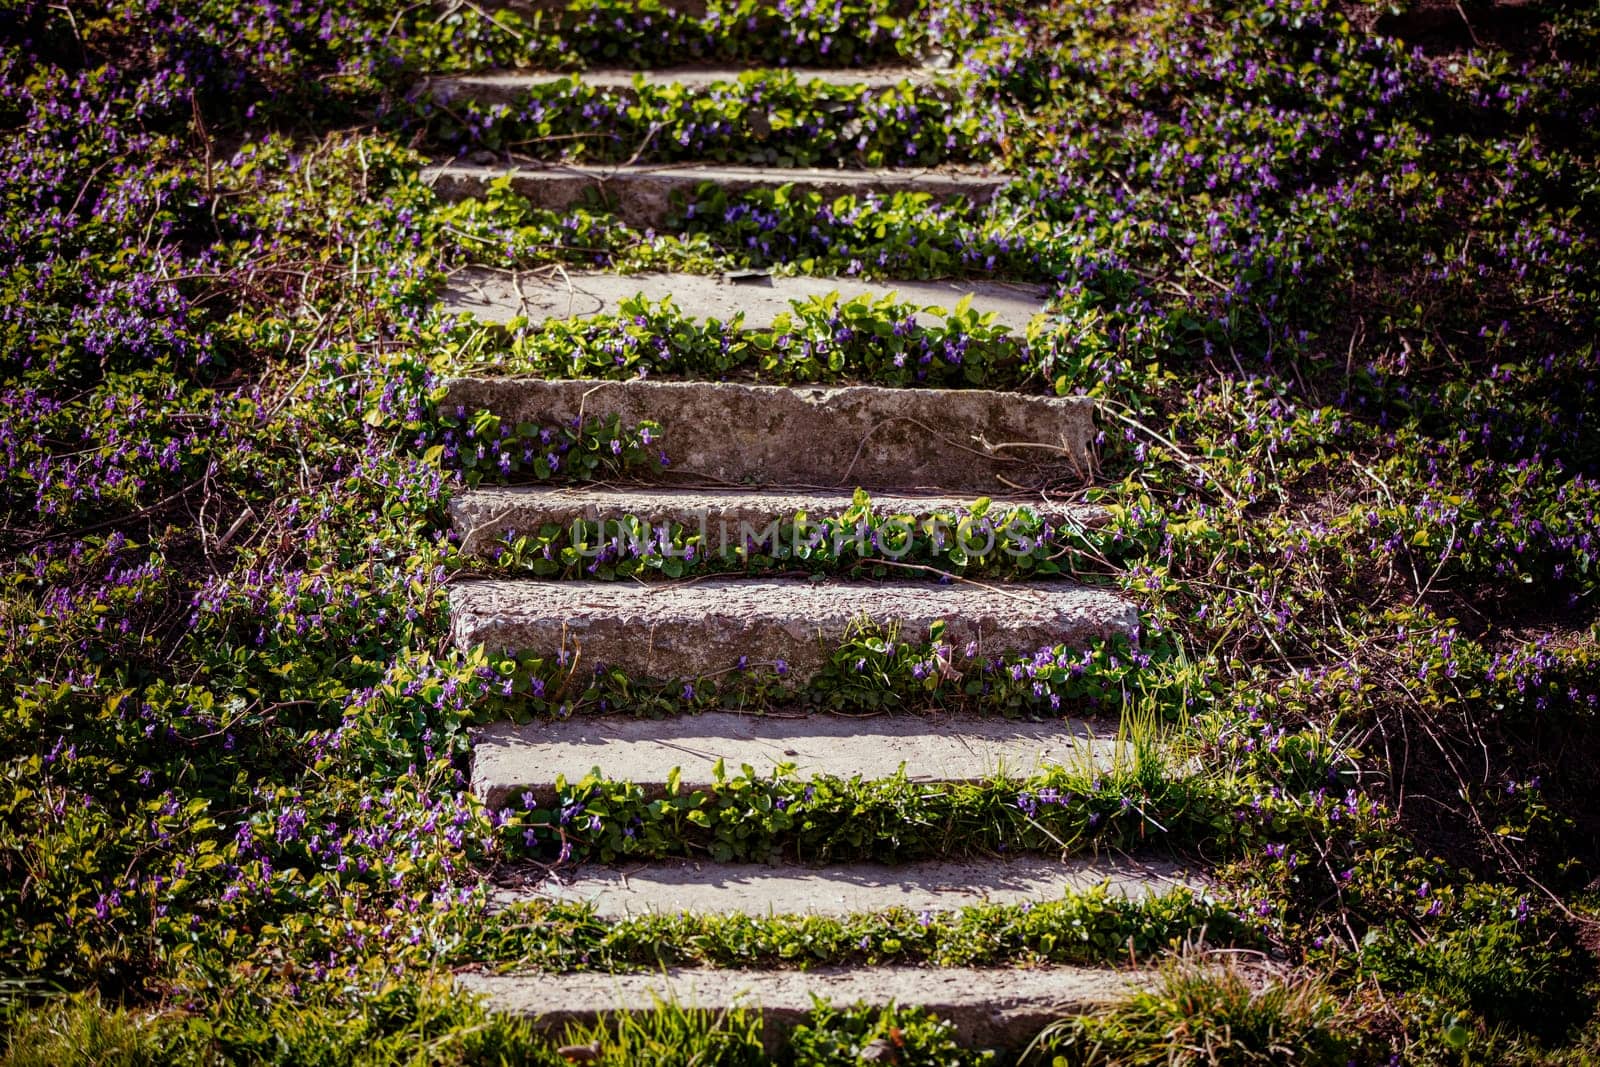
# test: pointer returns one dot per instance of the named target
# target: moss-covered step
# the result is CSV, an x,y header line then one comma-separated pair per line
x,y
734,434
511,759
486,516
670,887
644,195
510,86
1003,1007
502,296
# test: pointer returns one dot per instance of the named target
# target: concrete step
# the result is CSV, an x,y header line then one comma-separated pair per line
x,y
512,86
1003,1007
643,195
673,630
951,440
510,759
501,296
683,886
484,516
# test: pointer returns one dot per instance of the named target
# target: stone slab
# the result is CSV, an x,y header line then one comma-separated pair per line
x,y
512,86
686,630
510,759
952,440
683,886
502,296
1003,1007
643,195
484,516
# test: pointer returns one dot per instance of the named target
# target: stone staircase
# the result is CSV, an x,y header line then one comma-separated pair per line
x,y
747,457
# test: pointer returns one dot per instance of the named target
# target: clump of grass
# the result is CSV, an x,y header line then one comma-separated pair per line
x,y
1203,1012
671,1034
78,1030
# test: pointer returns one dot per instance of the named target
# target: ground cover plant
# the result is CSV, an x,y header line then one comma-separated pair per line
x,y
1328,272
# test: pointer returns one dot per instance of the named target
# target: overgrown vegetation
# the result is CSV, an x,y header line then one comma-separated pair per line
x,y
1333,292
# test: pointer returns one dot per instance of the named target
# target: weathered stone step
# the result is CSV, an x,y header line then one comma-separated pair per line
x,y
670,630
642,195
510,759
486,515
683,886
1001,1007
500,296
951,440
511,86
